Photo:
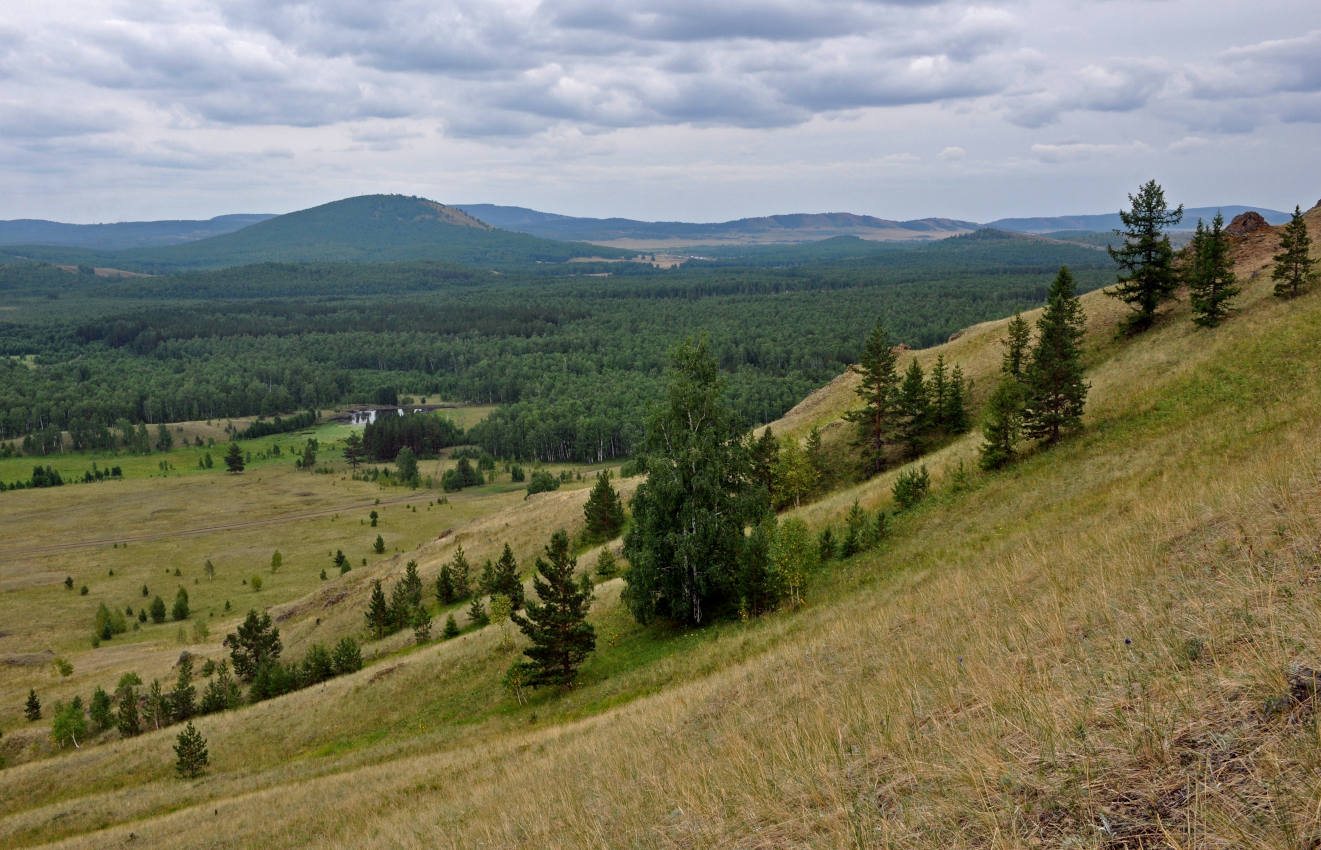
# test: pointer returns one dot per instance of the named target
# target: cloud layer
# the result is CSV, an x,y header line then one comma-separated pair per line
x,y
109,91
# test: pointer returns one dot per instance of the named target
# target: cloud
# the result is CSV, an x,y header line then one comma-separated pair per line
x,y
1078,151
953,153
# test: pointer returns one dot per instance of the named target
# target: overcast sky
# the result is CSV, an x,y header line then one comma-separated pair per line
x,y
696,110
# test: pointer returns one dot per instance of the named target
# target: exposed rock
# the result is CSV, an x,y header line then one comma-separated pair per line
x,y
903,346
1248,222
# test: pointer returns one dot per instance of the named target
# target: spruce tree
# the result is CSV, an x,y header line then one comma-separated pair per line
x,y
157,609
1004,420
877,419
1146,260
1055,389
1294,265
938,392
604,510
556,623
913,410
191,754
1210,274
353,450
234,458
32,708
1018,336
451,627
378,612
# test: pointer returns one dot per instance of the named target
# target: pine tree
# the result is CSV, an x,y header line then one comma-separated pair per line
x,y
183,699
445,585
938,392
1004,420
353,450
126,696
556,624
412,584
877,419
914,410
955,412
1056,390
379,545
180,609
1018,336
222,692
1294,265
604,510
765,450
505,578
855,530
477,612
346,657
157,609
255,645
378,612
461,574
1210,274
190,751
451,627
32,708
234,458
1146,259
99,710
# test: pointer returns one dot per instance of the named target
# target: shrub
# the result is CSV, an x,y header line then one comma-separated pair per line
x,y
911,487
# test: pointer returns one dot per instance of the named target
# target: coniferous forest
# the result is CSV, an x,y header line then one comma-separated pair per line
x,y
571,354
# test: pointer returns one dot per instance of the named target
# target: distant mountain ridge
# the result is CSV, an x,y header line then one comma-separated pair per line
x,y
122,234
364,229
1111,221
773,229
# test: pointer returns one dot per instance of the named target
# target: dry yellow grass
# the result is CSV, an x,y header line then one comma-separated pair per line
x,y
1093,649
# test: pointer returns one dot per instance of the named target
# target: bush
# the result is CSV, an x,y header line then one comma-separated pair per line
x,y
542,482
911,487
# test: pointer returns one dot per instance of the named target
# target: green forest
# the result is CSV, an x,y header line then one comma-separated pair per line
x,y
571,353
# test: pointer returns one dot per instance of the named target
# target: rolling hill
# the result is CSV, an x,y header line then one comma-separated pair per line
x,y
655,235
122,234
369,228
1111,645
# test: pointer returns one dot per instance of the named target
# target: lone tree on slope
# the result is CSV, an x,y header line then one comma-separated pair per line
x,y
1294,266
1146,260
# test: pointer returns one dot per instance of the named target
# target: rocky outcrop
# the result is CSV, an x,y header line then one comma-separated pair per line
x,y
1248,222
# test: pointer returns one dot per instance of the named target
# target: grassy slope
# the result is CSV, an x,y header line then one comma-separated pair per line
x,y
1078,652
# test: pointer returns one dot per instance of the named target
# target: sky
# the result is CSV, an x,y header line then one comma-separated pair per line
x,y
693,110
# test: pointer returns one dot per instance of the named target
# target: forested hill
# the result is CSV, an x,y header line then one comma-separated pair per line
x,y
779,229
366,229
121,234
1108,222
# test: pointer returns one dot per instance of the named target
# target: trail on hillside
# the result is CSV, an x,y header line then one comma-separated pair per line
x,y
187,532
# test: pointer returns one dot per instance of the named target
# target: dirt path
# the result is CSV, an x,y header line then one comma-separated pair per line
x,y
208,529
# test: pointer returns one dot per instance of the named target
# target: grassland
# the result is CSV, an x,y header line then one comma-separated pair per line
x,y
1108,645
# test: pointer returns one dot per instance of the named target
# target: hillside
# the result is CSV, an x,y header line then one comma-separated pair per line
x,y
122,234
1110,645
763,230
369,228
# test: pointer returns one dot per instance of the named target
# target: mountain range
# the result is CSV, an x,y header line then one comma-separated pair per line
x,y
378,228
